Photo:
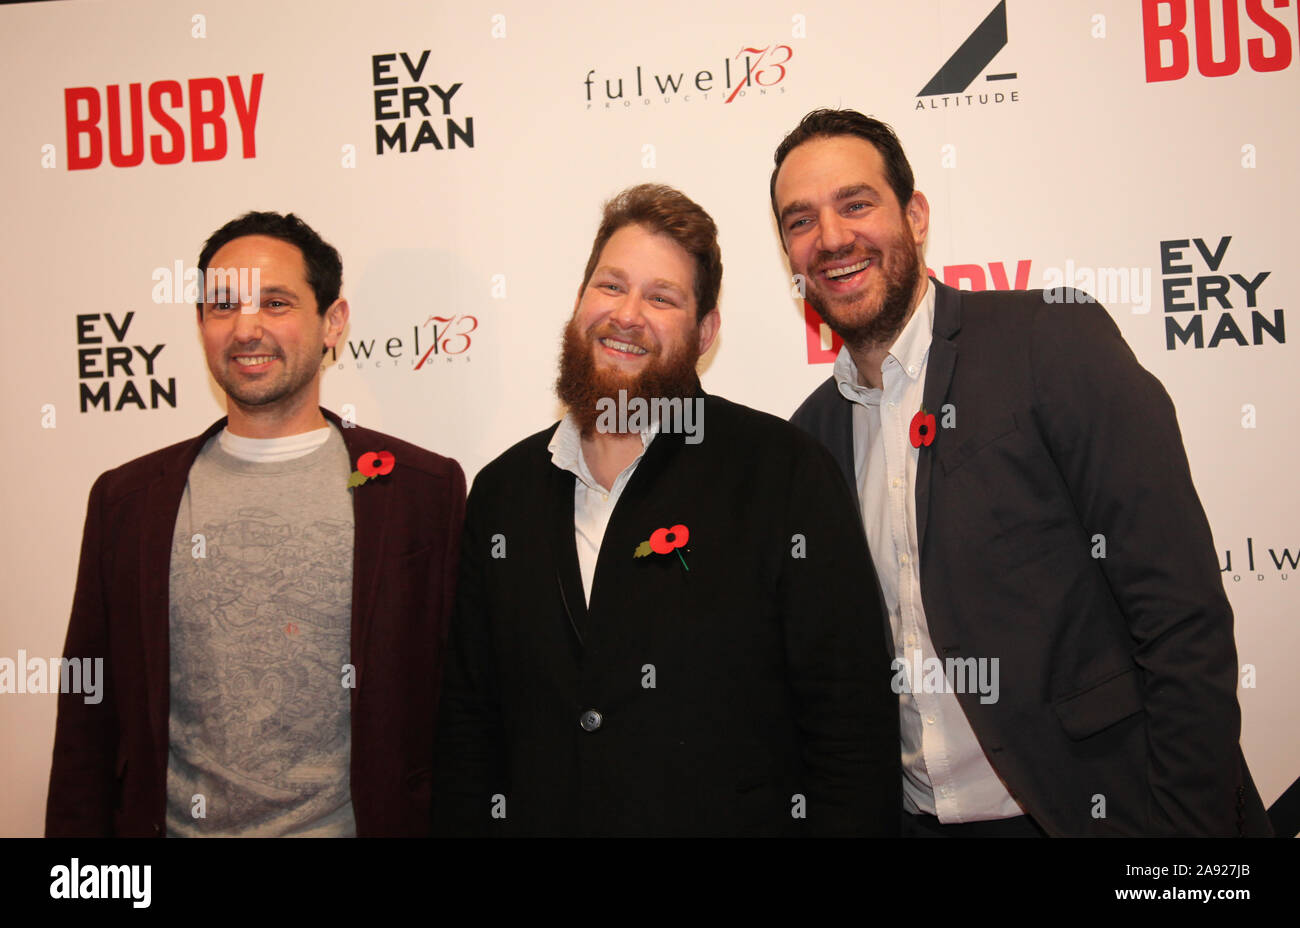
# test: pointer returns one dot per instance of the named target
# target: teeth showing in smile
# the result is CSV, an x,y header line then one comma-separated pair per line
x,y
838,272
622,346
254,361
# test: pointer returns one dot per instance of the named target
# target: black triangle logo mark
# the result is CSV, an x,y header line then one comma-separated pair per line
x,y
972,57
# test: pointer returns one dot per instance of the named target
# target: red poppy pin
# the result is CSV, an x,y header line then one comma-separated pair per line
x,y
665,541
370,465
923,428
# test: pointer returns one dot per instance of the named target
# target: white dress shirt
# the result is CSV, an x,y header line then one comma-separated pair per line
x,y
945,771
592,504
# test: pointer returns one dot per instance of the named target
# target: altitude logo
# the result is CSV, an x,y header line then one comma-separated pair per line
x,y
1197,283
410,114
199,106
113,374
440,340
1167,35
750,72
947,89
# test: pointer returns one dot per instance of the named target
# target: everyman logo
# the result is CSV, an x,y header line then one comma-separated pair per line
x,y
87,881
967,63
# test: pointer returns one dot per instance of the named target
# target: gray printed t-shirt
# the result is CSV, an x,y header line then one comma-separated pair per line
x,y
260,628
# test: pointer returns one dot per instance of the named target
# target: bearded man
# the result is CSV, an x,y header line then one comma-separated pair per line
x,y
660,625
1033,523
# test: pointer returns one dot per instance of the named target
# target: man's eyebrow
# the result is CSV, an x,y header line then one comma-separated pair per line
x,y
611,271
856,190
669,285
844,193
221,290
798,206
277,290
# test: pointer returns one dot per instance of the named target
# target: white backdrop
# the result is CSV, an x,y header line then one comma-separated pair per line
x,y
1075,161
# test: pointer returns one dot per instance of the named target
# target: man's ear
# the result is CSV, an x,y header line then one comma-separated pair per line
x,y
918,217
336,320
709,329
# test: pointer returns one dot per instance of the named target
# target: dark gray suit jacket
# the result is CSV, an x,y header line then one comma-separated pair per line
x,y
1117,674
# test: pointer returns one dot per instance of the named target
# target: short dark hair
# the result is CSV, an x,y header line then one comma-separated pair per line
x,y
666,211
322,261
827,123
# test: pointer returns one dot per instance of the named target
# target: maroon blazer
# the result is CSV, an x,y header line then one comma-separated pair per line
x,y
109,774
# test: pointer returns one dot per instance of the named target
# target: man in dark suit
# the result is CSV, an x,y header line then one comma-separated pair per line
x,y
1033,523
269,600
661,626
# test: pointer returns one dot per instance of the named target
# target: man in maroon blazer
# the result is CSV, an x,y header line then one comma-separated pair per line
x,y
269,598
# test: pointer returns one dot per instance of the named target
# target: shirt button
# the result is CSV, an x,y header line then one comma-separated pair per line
x,y
904,559
896,482
912,369
893,405
590,720
911,639
929,719
605,497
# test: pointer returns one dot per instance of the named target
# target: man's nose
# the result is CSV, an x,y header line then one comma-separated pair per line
x,y
627,313
835,232
248,324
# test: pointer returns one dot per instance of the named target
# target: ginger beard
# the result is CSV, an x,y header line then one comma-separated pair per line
x,y
900,267
582,382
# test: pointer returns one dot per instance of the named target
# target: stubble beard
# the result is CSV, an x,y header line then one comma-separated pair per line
x,y
582,383
883,326
260,394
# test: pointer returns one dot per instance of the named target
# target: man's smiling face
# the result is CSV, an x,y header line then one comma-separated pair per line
x,y
634,325
269,353
858,250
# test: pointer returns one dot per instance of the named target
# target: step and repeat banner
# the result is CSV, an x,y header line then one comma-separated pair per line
x,y
458,155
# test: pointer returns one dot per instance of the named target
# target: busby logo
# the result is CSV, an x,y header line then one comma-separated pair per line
x,y
1165,29
203,97
823,345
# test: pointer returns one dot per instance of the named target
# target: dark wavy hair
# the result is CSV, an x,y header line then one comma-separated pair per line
x,y
324,266
666,211
827,123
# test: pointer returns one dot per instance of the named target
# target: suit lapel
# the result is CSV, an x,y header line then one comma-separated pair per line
x,y
842,442
161,504
568,575
938,377
371,503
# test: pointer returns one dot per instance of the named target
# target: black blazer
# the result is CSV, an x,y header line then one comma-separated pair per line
x,y
1118,674
743,692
